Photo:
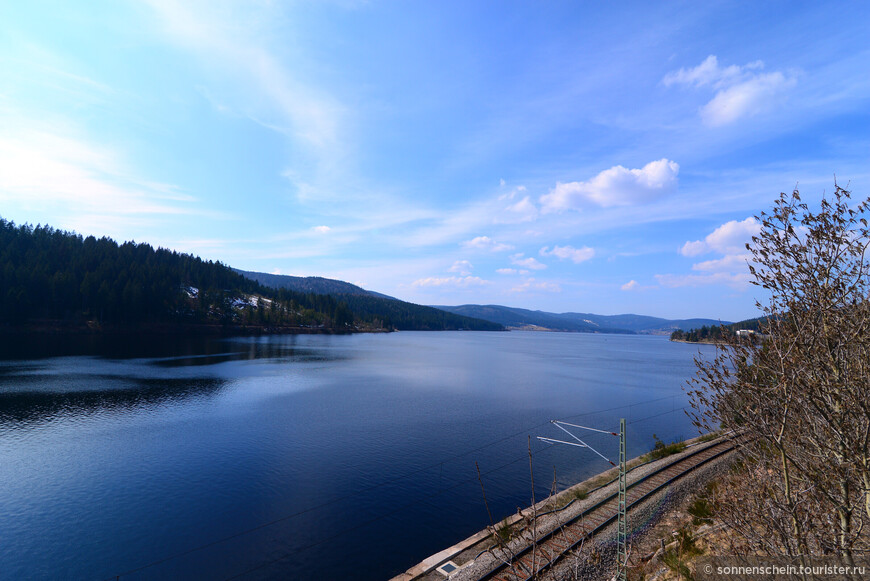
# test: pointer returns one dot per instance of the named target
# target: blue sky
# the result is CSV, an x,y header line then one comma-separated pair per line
x,y
563,156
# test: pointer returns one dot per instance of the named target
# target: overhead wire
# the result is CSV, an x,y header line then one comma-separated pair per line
x,y
630,405
385,515
374,487
321,505
427,497
658,415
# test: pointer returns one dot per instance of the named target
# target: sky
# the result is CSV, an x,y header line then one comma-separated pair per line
x,y
604,157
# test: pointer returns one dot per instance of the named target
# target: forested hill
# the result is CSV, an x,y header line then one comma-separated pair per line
x,y
52,277
409,316
576,322
377,307
714,333
308,284
526,319
55,279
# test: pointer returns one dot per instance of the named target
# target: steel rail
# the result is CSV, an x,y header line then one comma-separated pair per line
x,y
549,548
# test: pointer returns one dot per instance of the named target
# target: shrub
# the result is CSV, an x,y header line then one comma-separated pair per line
x,y
662,450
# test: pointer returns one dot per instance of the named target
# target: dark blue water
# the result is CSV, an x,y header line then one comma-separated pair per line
x,y
302,457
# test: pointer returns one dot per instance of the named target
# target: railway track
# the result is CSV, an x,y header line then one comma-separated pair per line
x,y
552,546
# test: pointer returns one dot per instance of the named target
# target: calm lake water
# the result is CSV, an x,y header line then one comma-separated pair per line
x,y
303,457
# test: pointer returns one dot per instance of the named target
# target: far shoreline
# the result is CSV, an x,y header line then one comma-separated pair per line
x,y
91,328
704,342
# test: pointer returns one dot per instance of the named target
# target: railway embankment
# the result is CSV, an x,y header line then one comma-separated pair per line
x,y
578,523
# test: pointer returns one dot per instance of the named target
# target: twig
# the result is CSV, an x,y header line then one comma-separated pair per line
x,y
485,503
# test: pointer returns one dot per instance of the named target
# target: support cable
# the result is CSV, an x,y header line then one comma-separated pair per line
x,y
381,484
377,518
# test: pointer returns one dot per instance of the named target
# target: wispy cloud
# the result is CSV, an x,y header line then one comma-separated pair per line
x,y
617,186
253,76
741,91
233,39
530,262
453,281
630,285
486,243
463,267
449,225
81,181
52,71
530,284
728,263
576,255
735,280
522,211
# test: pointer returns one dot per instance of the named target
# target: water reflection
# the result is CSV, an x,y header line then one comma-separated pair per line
x,y
281,350
187,349
47,377
123,452
127,346
26,408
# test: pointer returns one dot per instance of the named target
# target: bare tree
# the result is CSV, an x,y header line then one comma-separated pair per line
x,y
802,394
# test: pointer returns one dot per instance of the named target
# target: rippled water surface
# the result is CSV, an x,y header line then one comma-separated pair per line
x,y
301,457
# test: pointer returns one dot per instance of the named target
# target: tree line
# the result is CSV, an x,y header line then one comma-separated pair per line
x,y
52,275
716,333
378,310
408,316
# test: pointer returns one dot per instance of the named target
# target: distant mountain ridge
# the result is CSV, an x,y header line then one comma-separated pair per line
x,y
367,302
376,307
309,284
644,323
55,281
578,322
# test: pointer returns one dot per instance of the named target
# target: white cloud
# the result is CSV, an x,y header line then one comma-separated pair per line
x,y
463,267
512,195
531,284
486,243
251,73
738,281
617,186
322,229
222,37
740,91
530,263
710,73
506,270
727,263
85,183
694,248
745,99
729,238
523,211
577,255
457,281
630,285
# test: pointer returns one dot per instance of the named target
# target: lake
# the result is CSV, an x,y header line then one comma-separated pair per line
x,y
303,457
